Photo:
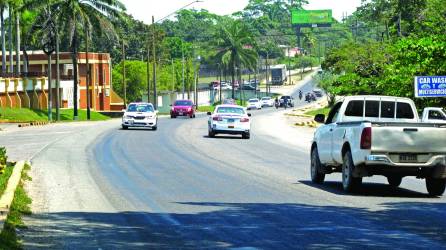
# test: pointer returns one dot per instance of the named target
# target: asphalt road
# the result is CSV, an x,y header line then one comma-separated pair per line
x,y
175,188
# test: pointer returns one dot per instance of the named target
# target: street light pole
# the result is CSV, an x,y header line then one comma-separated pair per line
x,y
124,84
148,72
182,74
155,97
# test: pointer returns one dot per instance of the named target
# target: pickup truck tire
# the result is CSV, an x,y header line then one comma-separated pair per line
x,y
316,176
394,181
349,182
435,187
125,127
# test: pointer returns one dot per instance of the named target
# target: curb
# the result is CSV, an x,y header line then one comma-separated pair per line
x,y
29,124
311,124
8,195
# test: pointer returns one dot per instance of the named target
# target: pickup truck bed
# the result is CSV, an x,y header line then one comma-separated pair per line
x,y
360,147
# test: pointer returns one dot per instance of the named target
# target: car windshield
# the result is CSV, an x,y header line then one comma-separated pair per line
x,y
140,108
230,110
183,103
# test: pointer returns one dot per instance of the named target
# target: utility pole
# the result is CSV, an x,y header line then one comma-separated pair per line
x,y
88,75
57,74
268,86
50,94
124,84
148,72
289,66
255,78
220,73
155,97
173,76
182,67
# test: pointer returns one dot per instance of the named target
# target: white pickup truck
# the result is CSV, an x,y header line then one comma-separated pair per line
x,y
433,115
378,135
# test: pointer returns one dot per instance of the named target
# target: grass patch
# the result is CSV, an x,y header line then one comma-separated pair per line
x,y
20,206
5,177
32,115
324,111
206,108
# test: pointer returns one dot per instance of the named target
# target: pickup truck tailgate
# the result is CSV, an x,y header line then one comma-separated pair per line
x,y
408,138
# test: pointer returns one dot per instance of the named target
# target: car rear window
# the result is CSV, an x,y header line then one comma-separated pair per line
x,y
253,100
387,109
355,108
404,111
372,109
183,103
230,110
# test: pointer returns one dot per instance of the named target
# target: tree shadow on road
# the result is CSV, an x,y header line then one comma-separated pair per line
x,y
210,225
367,189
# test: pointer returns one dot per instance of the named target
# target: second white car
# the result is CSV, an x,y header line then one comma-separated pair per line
x,y
267,101
254,103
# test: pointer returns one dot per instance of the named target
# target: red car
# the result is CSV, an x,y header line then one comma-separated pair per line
x,y
182,108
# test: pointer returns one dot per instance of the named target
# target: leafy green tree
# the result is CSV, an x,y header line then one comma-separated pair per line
x,y
234,43
76,16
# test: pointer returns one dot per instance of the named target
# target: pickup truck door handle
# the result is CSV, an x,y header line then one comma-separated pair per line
x,y
410,130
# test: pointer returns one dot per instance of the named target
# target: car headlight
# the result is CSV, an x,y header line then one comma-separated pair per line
x,y
149,116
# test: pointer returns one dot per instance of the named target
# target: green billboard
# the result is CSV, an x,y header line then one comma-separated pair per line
x,y
311,17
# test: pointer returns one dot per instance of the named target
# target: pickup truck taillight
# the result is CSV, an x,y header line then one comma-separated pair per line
x,y
366,138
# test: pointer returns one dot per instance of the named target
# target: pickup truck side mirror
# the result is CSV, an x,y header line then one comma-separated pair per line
x,y
319,118
209,113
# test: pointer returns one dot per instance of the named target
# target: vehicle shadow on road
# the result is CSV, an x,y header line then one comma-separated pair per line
x,y
238,137
404,225
367,189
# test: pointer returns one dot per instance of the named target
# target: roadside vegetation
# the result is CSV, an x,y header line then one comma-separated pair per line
x,y
20,206
32,115
318,111
407,40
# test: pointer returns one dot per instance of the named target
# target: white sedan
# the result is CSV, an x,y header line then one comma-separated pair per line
x,y
141,115
229,119
267,101
254,103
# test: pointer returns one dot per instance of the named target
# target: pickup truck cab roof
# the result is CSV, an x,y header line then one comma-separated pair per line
x,y
375,109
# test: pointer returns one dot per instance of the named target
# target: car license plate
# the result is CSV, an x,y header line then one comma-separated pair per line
x,y
131,122
230,126
408,158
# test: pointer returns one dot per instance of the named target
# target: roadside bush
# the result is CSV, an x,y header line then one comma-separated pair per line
x,y
3,160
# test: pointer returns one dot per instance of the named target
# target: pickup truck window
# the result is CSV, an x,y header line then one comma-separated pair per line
x,y
355,108
334,112
387,109
404,111
435,115
372,109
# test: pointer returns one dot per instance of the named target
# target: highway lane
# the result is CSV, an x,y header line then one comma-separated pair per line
x,y
175,188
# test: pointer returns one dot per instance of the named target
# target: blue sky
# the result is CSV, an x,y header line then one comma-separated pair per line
x,y
144,9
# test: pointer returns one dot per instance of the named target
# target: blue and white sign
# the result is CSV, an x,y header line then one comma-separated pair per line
x,y
430,86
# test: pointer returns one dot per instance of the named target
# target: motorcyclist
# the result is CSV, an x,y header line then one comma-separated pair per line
x,y
276,102
300,94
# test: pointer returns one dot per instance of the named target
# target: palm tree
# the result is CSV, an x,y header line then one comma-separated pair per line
x,y
75,16
3,6
234,43
16,6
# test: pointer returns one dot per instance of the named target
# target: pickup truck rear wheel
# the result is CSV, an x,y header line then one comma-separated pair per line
x,y
211,133
394,181
349,182
316,176
435,187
